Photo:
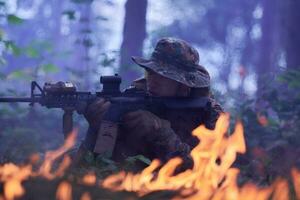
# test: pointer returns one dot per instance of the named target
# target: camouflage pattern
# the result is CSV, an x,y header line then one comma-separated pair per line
x,y
173,139
176,59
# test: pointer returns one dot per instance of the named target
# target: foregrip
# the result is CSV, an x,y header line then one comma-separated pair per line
x,y
67,122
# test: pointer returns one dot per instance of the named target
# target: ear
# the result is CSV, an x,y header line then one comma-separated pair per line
x,y
183,90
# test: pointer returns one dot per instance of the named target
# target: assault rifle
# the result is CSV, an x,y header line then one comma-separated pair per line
x,y
64,95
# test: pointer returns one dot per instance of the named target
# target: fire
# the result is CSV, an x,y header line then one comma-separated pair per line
x,y
12,175
86,196
51,156
89,179
64,191
296,181
211,177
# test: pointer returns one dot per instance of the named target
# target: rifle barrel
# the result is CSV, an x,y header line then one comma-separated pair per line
x,y
18,99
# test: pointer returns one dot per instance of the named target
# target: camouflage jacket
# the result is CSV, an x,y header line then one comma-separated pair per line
x,y
176,139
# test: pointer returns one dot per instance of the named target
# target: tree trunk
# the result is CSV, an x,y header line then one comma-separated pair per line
x,y
81,64
134,33
292,36
268,45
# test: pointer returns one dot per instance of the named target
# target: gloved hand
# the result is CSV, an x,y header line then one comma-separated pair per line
x,y
144,123
95,112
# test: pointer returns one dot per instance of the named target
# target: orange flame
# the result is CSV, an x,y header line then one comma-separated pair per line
x,y
89,179
281,189
211,176
86,196
206,174
64,191
12,175
296,181
51,156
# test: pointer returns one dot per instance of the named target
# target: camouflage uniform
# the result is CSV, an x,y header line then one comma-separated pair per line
x,y
174,139
176,60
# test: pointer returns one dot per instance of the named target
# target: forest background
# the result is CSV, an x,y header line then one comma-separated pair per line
x,y
250,48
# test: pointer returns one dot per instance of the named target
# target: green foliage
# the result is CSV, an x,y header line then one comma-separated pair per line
x,y
291,78
2,61
11,46
13,19
101,18
31,52
38,50
134,159
275,115
106,165
106,62
49,68
70,14
108,59
39,47
20,75
1,34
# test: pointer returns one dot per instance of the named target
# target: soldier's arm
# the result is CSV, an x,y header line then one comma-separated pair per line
x,y
212,115
166,145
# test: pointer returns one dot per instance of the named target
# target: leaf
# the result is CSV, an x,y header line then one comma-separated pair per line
x,y
19,74
70,14
49,68
107,61
89,157
142,158
106,164
104,160
1,34
32,52
101,18
86,31
13,19
43,46
2,61
10,45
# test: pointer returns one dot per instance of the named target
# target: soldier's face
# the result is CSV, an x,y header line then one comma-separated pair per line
x,y
158,85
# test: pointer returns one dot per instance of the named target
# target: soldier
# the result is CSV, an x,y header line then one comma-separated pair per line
x,y
172,71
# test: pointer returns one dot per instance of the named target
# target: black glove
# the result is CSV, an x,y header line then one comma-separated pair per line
x,y
95,111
